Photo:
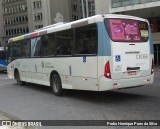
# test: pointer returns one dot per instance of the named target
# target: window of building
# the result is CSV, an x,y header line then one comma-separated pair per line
x,y
18,8
38,16
37,4
75,7
38,26
74,17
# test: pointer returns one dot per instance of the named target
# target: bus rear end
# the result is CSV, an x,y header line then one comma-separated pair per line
x,y
131,62
3,62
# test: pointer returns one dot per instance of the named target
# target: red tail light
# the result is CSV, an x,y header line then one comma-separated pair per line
x,y
107,71
152,68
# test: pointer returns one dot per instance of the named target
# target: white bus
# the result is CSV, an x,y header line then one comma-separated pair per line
x,y
99,53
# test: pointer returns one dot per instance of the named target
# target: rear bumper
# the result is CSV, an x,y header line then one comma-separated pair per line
x,y
109,84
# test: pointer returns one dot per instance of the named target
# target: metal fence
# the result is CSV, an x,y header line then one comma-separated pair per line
x,y
123,3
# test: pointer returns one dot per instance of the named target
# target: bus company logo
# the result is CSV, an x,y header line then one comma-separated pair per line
x,y
42,64
118,58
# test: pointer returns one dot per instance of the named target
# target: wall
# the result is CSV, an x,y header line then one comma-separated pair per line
x,y
59,11
102,6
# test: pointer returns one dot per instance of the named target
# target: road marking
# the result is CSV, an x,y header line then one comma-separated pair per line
x,y
6,84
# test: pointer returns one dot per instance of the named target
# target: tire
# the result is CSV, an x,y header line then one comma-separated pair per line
x,y
56,85
18,79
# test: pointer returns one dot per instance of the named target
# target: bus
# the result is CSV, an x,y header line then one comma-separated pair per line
x,y
99,53
3,60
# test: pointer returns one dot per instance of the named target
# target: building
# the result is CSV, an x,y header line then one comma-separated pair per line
x,y
24,16
14,18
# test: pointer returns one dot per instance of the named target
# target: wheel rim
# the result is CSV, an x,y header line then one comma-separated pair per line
x,y
56,85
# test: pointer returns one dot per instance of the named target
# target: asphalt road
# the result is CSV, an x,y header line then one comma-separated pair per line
x,y
35,102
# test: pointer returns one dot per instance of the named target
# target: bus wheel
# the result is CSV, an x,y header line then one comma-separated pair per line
x,y
56,85
18,78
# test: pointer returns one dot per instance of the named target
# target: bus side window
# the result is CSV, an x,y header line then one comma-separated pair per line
x,y
44,46
64,42
86,40
36,47
52,45
25,48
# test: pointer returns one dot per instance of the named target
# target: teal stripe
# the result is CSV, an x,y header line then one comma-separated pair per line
x,y
151,41
104,45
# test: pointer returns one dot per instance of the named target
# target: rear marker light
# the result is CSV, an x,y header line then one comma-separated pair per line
x,y
107,71
152,67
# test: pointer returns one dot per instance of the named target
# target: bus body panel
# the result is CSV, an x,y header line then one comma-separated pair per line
x,y
38,71
131,57
107,84
84,73
87,72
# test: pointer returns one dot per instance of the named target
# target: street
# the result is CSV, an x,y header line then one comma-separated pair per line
x,y
35,102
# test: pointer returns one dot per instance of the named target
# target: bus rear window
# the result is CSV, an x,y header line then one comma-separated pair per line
x,y
125,30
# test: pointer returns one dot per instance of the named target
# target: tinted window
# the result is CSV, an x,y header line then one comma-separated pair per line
x,y
2,55
25,48
64,42
36,47
20,49
48,46
86,40
16,50
125,30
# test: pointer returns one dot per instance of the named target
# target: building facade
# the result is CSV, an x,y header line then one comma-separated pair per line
x,y
23,16
14,18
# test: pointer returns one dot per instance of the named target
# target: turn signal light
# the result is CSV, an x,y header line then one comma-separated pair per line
x,y
152,68
107,71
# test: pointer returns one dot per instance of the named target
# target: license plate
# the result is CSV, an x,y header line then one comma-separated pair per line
x,y
132,73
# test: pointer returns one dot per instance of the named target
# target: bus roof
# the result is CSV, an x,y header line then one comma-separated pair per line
x,y
74,24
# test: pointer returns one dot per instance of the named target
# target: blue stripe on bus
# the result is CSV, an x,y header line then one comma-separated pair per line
x,y
104,45
151,41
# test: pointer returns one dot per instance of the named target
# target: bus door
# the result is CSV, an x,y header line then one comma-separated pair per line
x,y
130,48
